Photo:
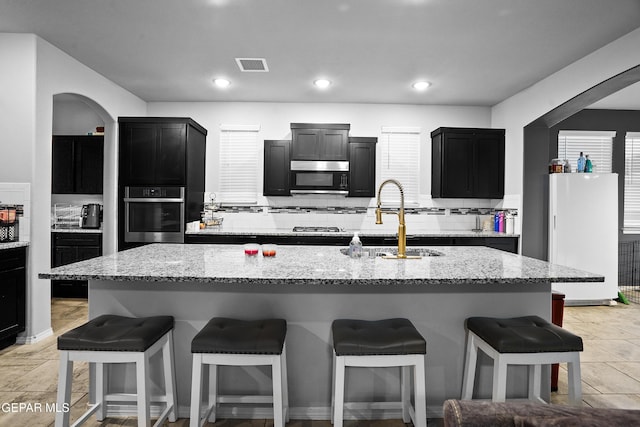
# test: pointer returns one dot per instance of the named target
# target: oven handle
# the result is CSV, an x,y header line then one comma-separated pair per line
x,y
152,200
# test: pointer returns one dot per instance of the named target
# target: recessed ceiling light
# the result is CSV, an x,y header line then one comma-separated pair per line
x,y
322,83
421,85
222,82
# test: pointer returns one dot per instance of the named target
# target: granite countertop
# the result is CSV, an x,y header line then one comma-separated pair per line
x,y
214,231
76,230
11,245
316,265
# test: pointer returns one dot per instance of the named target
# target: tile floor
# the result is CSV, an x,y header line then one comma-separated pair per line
x,y
610,369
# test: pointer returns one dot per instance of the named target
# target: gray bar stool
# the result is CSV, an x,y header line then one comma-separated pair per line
x,y
375,344
117,339
233,342
528,340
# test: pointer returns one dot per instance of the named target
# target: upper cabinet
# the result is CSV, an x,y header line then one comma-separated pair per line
x,y
467,163
362,166
276,167
77,164
160,150
315,141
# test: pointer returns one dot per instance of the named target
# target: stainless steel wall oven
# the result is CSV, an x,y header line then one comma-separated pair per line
x,y
154,214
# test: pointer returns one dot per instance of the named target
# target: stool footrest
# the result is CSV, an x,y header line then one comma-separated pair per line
x,y
373,405
258,398
129,397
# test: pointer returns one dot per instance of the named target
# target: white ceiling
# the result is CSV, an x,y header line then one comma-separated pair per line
x,y
474,52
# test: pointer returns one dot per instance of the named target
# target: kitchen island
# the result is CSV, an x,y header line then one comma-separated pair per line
x,y
310,286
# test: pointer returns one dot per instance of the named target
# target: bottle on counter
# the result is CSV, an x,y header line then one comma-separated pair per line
x,y
509,223
501,222
567,166
588,166
496,222
581,162
355,246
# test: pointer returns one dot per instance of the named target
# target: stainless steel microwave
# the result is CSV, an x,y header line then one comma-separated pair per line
x,y
319,177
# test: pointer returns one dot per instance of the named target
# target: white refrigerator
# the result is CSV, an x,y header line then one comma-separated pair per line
x,y
583,233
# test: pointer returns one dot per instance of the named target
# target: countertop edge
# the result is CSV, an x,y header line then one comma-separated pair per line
x,y
314,281
13,245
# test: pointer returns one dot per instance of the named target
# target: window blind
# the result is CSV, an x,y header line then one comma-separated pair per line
x,y
631,220
238,169
597,144
400,160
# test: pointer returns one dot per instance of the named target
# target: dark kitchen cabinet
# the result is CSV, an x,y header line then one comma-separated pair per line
x,y
153,153
12,294
161,151
314,141
362,166
467,163
77,164
276,167
67,248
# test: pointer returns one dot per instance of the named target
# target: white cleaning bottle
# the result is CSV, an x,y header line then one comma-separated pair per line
x,y
355,247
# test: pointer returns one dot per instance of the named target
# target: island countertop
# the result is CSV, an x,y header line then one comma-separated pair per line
x,y
316,265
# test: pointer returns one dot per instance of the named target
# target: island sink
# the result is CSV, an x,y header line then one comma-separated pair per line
x,y
392,253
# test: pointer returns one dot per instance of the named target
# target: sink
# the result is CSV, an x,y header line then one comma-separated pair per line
x,y
393,252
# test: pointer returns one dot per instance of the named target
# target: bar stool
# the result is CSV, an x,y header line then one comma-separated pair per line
x,y
117,339
380,343
233,342
528,340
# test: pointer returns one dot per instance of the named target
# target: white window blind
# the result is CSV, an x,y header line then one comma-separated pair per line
x,y
400,160
597,144
238,164
632,182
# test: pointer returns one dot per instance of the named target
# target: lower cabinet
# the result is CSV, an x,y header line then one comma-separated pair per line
x,y
67,248
507,244
12,294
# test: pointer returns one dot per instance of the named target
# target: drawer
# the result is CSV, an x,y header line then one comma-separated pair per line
x,y
11,259
77,239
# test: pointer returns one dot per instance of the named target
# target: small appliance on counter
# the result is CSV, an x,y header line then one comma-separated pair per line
x,y
8,223
91,215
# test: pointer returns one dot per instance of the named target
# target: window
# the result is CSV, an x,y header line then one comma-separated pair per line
x,y
597,144
238,163
400,160
631,221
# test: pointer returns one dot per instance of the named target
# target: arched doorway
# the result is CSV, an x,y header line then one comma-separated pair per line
x,y
83,137
538,150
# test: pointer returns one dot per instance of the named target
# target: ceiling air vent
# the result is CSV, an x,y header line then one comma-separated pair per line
x,y
252,65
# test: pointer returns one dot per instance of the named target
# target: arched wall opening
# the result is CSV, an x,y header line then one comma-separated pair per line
x,y
539,147
76,114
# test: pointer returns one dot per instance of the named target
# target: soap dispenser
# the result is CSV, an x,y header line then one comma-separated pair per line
x,y
355,247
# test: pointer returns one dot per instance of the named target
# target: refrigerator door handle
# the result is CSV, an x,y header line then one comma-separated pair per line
x,y
554,222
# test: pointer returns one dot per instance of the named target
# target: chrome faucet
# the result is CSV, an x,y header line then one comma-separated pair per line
x,y
402,229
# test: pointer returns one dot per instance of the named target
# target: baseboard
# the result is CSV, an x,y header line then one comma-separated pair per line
x,y
32,339
295,413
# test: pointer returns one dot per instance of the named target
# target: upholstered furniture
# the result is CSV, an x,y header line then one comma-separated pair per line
x,y
477,413
109,339
528,340
380,343
234,342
